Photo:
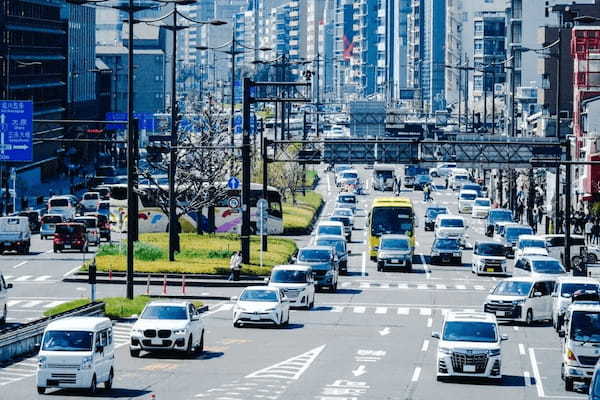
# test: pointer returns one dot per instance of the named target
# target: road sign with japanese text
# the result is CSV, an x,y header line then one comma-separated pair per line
x,y
16,130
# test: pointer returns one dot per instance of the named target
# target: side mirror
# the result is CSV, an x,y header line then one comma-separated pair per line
x,y
503,337
195,317
435,335
135,316
294,259
233,298
9,285
537,294
561,333
285,300
37,347
99,349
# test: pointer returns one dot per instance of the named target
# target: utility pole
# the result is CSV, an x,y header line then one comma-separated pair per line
x,y
493,99
132,218
232,120
173,225
557,133
246,173
459,89
265,178
567,260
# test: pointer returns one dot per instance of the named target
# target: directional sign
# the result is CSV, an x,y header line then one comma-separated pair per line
x,y
16,127
233,183
237,124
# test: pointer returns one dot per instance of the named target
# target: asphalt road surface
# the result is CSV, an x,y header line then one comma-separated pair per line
x,y
371,340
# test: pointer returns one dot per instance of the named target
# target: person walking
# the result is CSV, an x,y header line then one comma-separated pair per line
x,y
589,227
596,231
235,265
534,219
426,193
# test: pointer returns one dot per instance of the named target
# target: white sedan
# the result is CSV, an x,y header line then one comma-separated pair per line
x,y
481,207
261,305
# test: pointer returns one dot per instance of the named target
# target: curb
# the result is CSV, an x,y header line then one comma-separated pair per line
x,y
202,309
177,283
191,277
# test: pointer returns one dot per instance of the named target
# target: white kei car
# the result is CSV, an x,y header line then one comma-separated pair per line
x,y
261,305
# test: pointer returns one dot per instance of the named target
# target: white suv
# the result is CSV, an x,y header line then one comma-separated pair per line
x,y
563,293
4,298
297,284
470,345
489,258
466,198
451,226
168,326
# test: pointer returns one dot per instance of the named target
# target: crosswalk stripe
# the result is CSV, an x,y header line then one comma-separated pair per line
x,y
53,304
478,287
12,303
444,311
42,278
425,311
8,277
365,285
337,309
422,286
346,284
385,286
440,286
31,304
461,287
359,310
22,278
381,310
403,311
402,286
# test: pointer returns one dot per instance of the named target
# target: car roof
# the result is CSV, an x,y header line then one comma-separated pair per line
x,y
292,267
480,242
315,247
531,237
269,288
342,208
436,207
523,279
468,191
576,279
531,251
502,210
585,306
330,223
331,237
450,216
517,225
470,316
482,198
169,303
394,236
540,258
79,324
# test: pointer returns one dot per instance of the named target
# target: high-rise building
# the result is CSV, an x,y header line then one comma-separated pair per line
x,y
395,39
344,47
489,52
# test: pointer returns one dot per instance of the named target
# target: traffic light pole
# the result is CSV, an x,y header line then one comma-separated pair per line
x,y
173,228
246,172
132,218
265,177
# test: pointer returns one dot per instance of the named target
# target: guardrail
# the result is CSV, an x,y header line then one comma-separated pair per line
x,y
22,339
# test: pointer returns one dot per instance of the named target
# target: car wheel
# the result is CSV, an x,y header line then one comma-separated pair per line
x,y
93,387
568,384
4,314
333,288
200,348
409,266
236,324
41,390
190,347
529,317
108,384
379,266
312,304
135,353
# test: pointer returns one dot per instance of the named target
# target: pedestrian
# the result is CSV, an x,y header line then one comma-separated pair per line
x,y
588,231
426,190
446,180
520,211
534,219
398,186
596,232
235,265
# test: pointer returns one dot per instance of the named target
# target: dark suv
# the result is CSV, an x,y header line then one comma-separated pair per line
x,y
70,236
494,216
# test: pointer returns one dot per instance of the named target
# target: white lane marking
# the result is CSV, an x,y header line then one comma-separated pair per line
x,y
337,309
291,368
402,286
22,278
42,278
536,373
403,311
469,310
20,264
361,370
384,286
385,331
214,309
71,271
54,303
440,286
521,349
12,303
425,311
416,374
429,322
516,328
364,264
425,345
444,311
381,310
527,378
425,266
365,285
328,185
31,304
359,310
48,251
346,284
461,287
478,287
422,286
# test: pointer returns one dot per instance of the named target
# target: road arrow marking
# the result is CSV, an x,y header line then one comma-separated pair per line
x,y
384,331
361,370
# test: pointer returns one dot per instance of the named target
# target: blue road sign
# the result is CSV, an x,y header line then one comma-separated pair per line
x,y
146,121
237,124
16,130
233,183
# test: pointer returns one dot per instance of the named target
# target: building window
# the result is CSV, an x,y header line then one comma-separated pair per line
x,y
478,28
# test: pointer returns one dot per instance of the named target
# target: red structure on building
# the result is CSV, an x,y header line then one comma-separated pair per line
x,y
585,49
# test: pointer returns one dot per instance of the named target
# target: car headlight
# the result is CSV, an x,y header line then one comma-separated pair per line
x,y
457,254
435,253
520,301
445,350
42,361
494,352
271,309
86,362
136,332
180,331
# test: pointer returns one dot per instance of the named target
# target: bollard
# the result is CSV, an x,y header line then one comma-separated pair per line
x,y
183,284
148,285
110,274
165,285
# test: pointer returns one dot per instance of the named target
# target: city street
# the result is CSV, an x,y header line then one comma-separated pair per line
x,y
371,340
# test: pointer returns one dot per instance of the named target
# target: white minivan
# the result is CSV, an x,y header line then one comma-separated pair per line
x,y
76,352
62,205
466,199
297,283
330,228
4,298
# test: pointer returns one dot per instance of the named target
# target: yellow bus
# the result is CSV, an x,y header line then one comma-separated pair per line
x,y
390,215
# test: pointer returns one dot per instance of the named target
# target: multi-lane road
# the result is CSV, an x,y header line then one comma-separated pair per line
x,y
371,340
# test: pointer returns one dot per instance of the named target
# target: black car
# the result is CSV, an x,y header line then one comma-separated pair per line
x,y
421,181
446,251
34,219
430,215
494,216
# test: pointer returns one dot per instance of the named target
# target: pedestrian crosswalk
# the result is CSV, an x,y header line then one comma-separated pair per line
x,y
33,303
24,368
376,310
412,286
30,278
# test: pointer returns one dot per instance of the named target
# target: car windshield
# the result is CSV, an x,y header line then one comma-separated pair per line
x,y
468,196
491,249
461,177
476,188
434,212
59,203
482,203
547,267
349,175
513,288
288,276
585,326
91,196
310,255
330,230
164,312
512,234
394,244
446,244
463,331
69,229
392,220
347,199
51,219
259,295
567,289
423,178
452,223
337,244
541,243
342,219
68,341
500,215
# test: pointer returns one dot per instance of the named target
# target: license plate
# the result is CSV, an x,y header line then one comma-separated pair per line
x,y
67,246
7,243
468,368
490,269
446,259
255,318
502,313
396,261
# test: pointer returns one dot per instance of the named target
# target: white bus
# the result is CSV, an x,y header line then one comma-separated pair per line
x,y
152,219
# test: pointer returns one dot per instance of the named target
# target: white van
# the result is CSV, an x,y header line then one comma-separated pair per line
x,y
63,205
458,177
4,298
76,352
451,226
297,283
466,199
90,200
330,228
563,294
